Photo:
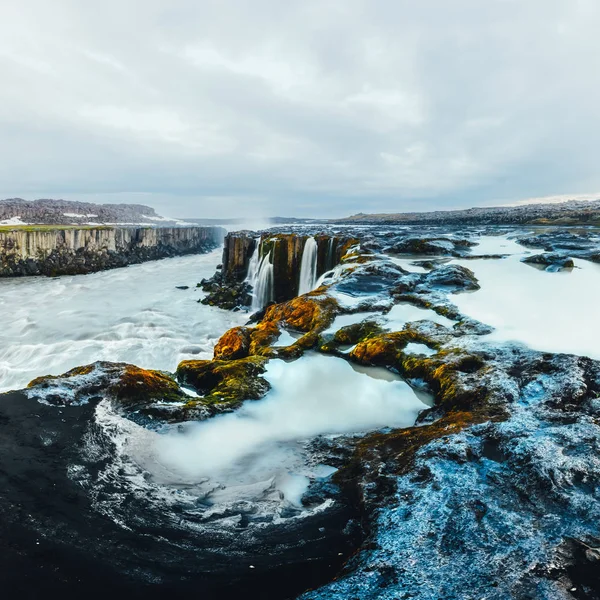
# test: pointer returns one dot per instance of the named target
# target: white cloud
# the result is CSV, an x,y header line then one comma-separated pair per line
x,y
332,107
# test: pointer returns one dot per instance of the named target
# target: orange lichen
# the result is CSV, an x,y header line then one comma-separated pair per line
x,y
234,343
308,313
137,383
262,337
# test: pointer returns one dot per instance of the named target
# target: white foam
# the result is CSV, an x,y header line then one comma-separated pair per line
x,y
263,440
404,313
414,348
552,312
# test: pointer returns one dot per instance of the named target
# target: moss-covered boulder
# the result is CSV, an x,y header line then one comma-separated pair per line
x,y
131,386
311,314
225,383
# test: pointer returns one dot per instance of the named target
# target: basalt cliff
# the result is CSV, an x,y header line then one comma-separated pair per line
x,y
69,251
268,267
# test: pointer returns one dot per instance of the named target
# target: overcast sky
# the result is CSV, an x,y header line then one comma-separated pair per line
x,y
299,108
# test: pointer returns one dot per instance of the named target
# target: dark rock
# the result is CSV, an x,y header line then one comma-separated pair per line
x,y
454,278
552,261
439,246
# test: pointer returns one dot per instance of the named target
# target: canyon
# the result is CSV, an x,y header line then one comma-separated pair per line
x,y
372,413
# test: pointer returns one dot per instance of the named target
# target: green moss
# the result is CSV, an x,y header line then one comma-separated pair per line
x,y
227,382
357,332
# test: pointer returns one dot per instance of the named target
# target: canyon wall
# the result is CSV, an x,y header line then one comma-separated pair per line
x,y
233,285
70,251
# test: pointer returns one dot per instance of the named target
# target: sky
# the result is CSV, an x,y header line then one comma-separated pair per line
x,y
321,108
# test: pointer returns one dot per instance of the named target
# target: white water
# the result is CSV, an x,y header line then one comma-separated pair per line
x,y
259,447
552,312
134,314
351,319
404,313
263,283
308,267
254,264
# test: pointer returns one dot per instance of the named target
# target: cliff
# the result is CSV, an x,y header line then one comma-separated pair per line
x,y
70,251
244,252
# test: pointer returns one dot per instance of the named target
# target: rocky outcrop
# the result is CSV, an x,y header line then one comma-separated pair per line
x,y
435,246
70,251
230,287
550,261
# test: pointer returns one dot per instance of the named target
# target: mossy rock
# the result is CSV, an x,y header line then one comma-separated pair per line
x,y
228,382
131,386
310,313
357,332
452,374
233,344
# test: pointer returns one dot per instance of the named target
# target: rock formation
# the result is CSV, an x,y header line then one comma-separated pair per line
x,y
244,254
68,251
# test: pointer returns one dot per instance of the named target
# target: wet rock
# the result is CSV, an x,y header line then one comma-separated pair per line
x,y
227,295
454,278
372,279
505,446
552,261
438,246
357,332
141,393
310,314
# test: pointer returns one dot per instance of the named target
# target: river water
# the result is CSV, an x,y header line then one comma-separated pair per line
x,y
135,314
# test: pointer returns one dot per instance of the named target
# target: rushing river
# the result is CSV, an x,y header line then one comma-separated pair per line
x,y
135,314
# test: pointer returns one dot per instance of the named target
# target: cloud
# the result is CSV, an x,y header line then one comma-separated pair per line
x,y
311,108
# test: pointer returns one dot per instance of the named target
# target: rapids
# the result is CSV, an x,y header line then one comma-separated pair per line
x,y
134,314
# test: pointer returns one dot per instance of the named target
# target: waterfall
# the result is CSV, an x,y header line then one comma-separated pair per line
x,y
308,267
260,277
254,264
330,263
263,288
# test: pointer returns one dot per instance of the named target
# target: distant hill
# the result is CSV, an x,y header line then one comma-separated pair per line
x,y
16,211
573,212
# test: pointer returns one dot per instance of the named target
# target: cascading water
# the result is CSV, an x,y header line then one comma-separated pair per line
x,y
254,264
331,253
263,289
308,267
